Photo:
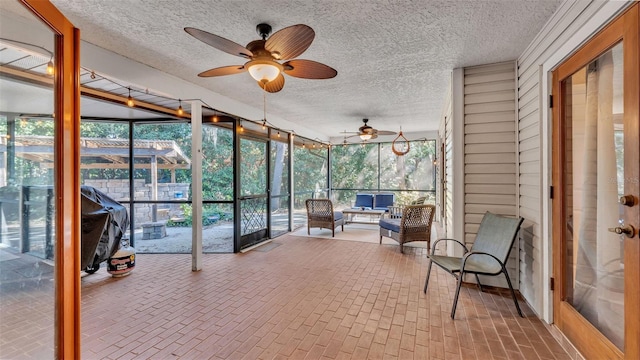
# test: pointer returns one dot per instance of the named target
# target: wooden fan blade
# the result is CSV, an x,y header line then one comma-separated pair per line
x,y
385,132
309,69
290,42
273,86
219,42
222,71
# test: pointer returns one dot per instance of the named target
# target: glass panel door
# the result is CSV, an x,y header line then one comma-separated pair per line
x,y
39,282
217,188
253,191
596,172
279,194
594,169
161,185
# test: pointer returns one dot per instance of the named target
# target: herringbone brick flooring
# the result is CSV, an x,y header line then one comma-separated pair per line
x,y
302,298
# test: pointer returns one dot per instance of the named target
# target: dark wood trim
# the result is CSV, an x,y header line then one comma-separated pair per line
x,y
67,178
632,173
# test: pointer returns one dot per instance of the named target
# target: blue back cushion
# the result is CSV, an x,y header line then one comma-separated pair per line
x,y
383,201
364,200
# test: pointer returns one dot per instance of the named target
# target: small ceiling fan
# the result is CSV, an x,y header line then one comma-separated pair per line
x,y
366,132
265,56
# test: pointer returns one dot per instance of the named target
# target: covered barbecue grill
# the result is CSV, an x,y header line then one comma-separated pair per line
x,y
104,222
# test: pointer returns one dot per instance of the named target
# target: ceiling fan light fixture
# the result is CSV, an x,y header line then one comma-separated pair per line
x,y
264,71
365,137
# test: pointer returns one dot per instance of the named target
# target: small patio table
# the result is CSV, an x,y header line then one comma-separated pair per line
x,y
373,215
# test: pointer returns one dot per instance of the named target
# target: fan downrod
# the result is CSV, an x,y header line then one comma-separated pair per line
x,y
264,30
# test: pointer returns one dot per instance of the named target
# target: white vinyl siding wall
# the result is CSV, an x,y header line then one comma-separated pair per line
x,y
490,151
565,23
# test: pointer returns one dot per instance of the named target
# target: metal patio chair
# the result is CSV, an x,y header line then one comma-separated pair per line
x,y
488,254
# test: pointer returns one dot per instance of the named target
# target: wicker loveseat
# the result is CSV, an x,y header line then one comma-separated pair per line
x,y
414,225
320,214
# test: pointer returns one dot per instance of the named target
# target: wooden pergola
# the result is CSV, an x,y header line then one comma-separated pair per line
x,y
98,153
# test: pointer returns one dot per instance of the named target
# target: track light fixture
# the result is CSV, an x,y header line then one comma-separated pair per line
x,y
130,99
50,69
180,111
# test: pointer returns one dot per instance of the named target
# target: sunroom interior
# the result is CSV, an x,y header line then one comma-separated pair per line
x,y
220,232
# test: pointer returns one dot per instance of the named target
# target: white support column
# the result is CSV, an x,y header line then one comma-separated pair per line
x,y
457,123
196,186
291,183
154,187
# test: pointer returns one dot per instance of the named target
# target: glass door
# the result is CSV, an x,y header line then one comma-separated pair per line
x,y
253,195
39,183
596,173
279,186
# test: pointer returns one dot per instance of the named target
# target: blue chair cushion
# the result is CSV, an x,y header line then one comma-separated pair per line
x,y
337,215
364,200
391,224
383,201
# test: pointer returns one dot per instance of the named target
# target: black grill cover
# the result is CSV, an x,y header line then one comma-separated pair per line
x,y
104,222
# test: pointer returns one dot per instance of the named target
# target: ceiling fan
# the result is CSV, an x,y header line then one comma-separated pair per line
x,y
265,56
366,132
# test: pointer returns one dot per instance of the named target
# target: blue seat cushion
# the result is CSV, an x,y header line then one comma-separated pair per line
x,y
383,201
391,224
364,200
337,215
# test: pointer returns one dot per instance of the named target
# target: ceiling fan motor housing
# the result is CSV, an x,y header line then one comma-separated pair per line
x,y
365,129
258,50
264,30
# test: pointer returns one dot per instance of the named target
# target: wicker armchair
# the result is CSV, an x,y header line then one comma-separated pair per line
x,y
414,225
396,211
320,214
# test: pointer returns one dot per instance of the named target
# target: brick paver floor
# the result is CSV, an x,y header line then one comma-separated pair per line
x,y
302,298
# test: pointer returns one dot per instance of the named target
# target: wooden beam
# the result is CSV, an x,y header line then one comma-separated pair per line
x,y
124,166
102,95
46,81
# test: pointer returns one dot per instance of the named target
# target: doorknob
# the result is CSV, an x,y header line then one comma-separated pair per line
x,y
628,200
628,230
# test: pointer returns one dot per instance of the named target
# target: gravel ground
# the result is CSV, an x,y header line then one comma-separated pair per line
x,y
215,238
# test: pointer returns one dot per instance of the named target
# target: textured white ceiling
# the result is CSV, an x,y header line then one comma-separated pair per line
x,y
394,58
